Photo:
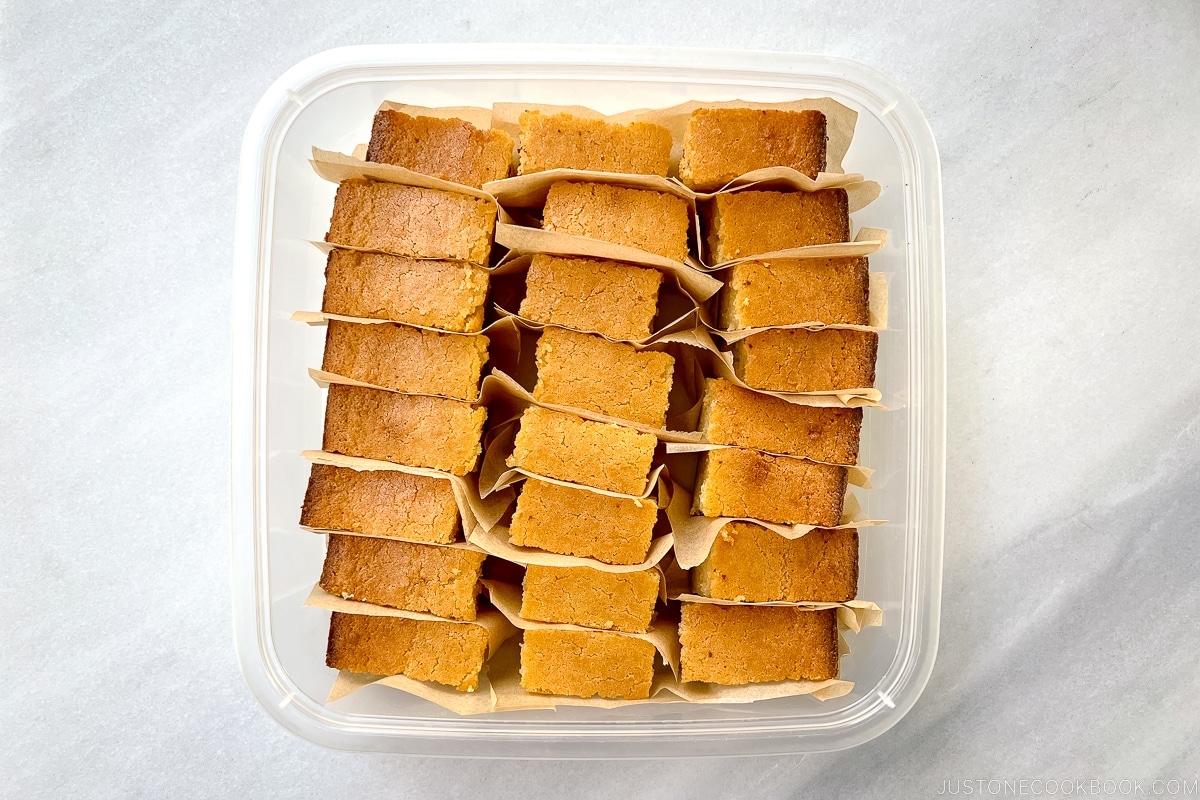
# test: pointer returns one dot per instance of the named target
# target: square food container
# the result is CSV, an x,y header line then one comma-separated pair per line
x,y
328,101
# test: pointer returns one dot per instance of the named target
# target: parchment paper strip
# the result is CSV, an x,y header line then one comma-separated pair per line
x,y
535,240
858,476
337,167
496,624
694,536
865,242
853,615
496,542
476,511
714,693
860,192
529,191
480,701
452,545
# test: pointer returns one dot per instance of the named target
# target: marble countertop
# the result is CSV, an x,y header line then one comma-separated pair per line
x,y
1069,648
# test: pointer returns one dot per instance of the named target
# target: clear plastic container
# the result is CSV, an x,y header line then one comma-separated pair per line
x,y
328,101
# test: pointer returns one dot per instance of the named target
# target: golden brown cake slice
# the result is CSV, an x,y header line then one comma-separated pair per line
x,y
445,652
587,664
749,223
443,581
798,360
745,483
576,522
615,299
381,503
592,373
437,294
406,359
596,454
564,141
788,291
450,149
618,601
722,143
735,645
419,431
652,221
732,415
751,564
412,221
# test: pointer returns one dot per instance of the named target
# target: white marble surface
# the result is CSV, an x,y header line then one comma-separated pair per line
x,y
1069,646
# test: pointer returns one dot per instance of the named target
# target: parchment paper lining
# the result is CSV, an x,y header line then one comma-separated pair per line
x,y
496,542
337,167
462,545
853,615
696,285
864,243
530,190
496,623
857,475
536,240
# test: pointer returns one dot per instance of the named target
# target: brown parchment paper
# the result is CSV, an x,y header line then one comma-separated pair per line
x,y
877,293
537,240
662,634
494,622
337,167
495,475
464,545
864,243
694,536
529,191
853,615
480,701
855,474
860,192
839,123
476,511
496,542
328,247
